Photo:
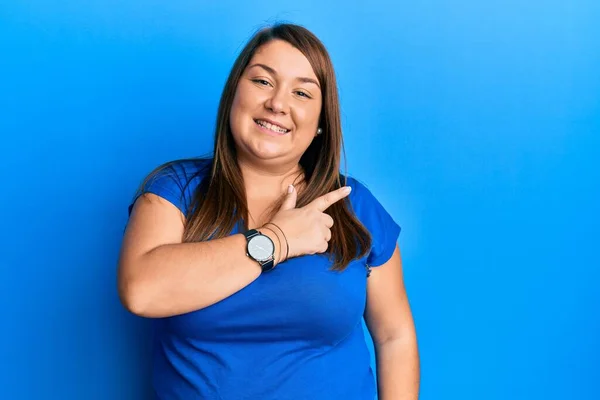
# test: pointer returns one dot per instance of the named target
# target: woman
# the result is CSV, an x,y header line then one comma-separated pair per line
x,y
254,263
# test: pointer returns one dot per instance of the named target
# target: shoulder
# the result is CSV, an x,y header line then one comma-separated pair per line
x,y
176,181
359,189
360,196
181,172
382,227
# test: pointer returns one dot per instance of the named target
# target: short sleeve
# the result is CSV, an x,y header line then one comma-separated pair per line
x,y
175,182
381,225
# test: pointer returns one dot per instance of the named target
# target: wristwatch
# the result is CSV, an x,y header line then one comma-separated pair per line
x,y
261,249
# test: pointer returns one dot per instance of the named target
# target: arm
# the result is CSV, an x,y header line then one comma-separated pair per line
x,y
389,319
158,276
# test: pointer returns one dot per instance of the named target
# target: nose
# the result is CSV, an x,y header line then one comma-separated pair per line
x,y
277,103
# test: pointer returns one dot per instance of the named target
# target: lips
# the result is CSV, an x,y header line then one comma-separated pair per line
x,y
271,125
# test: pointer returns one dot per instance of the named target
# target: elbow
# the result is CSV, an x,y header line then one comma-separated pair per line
x,y
133,298
139,290
134,291
133,286
405,336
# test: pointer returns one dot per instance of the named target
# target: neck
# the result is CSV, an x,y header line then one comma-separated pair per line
x,y
269,180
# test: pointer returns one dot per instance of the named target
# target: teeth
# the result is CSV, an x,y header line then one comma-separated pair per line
x,y
270,126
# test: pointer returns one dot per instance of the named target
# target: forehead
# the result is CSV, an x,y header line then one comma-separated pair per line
x,y
285,59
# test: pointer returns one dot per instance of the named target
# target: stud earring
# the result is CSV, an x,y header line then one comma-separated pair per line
x,y
319,131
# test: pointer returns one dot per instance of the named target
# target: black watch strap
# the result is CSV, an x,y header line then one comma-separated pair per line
x,y
251,233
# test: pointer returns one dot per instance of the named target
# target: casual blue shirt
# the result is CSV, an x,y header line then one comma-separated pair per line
x,y
295,333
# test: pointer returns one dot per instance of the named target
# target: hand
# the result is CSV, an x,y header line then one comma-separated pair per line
x,y
307,229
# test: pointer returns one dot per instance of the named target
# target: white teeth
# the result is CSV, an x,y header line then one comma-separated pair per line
x,y
270,126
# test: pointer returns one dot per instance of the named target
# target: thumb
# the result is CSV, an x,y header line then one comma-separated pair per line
x,y
290,199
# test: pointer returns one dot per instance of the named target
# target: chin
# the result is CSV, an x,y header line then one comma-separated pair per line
x,y
267,151
258,145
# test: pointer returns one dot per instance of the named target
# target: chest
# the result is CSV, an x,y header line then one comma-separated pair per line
x,y
302,299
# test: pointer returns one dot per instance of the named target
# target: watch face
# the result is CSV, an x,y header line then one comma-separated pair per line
x,y
261,248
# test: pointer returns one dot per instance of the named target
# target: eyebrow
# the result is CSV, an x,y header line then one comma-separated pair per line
x,y
273,72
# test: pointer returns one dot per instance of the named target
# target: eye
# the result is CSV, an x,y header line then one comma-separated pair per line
x,y
303,94
261,82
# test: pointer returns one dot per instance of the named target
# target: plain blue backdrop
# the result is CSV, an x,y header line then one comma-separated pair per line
x,y
475,123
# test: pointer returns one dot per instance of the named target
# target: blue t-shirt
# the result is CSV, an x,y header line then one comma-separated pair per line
x,y
295,333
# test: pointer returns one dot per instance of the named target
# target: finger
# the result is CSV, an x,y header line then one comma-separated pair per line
x,y
327,220
324,247
324,202
290,199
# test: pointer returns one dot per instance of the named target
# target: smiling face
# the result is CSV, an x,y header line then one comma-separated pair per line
x,y
277,104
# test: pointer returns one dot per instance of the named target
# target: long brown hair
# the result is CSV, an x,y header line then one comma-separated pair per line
x,y
219,202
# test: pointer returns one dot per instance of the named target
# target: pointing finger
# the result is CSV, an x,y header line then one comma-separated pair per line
x,y
324,202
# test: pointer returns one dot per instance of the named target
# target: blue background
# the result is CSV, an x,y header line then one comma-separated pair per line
x,y
475,123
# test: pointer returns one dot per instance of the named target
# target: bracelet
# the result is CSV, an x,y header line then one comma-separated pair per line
x,y
278,241
287,245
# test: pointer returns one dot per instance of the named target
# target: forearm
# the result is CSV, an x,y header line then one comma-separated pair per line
x,y
177,278
398,368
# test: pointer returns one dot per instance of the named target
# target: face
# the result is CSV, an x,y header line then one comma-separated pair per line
x,y
276,108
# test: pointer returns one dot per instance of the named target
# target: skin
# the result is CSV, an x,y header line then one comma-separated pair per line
x,y
389,319
277,93
279,84
159,276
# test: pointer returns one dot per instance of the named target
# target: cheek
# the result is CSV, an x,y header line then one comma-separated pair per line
x,y
239,108
235,107
241,97
247,97
308,117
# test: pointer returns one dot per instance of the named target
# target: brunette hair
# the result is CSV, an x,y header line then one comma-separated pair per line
x,y
219,202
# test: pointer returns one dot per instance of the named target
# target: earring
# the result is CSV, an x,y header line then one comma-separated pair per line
x,y
319,131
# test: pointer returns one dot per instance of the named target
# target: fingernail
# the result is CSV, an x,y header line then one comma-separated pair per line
x,y
290,188
347,189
